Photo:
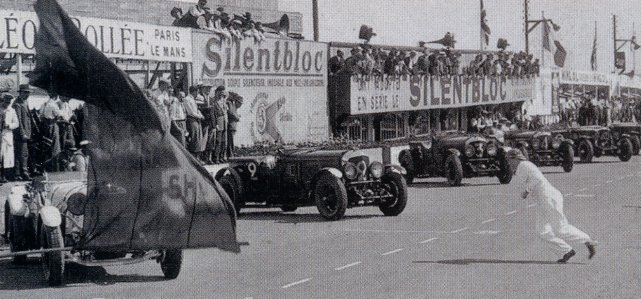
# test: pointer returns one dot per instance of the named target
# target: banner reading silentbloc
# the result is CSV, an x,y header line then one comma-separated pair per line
x,y
114,38
379,94
283,83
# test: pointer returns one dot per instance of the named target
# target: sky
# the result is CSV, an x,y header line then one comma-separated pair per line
x,y
405,22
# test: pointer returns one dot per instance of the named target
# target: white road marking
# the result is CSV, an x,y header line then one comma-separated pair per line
x,y
531,205
569,194
395,231
584,195
428,240
583,189
347,266
609,181
489,220
511,212
486,232
597,185
391,252
459,230
296,283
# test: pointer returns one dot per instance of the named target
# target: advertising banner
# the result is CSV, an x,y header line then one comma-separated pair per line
x,y
283,83
394,94
115,39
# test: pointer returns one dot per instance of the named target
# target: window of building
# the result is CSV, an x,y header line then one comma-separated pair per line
x,y
392,126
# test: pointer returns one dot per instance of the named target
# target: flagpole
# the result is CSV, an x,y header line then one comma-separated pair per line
x,y
542,38
480,26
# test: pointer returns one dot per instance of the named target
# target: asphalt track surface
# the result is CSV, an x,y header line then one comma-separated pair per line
x,y
473,241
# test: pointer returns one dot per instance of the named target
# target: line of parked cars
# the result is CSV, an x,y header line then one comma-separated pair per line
x,y
46,216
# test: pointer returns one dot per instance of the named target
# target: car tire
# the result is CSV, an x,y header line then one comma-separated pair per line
x,y
288,208
453,170
171,263
505,171
398,187
330,196
21,232
524,152
233,186
625,149
53,263
407,162
636,145
585,151
567,156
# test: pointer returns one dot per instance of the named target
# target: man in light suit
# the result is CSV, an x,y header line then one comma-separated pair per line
x,y
234,102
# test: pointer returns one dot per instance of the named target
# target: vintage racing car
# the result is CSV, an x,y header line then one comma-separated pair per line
x,y
455,156
47,218
542,148
631,129
333,180
595,141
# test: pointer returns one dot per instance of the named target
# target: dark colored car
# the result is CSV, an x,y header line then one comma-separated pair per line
x,y
542,148
596,141
332,180
631,129
455,156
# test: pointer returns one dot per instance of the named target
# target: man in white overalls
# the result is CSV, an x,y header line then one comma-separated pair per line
x,y
551,223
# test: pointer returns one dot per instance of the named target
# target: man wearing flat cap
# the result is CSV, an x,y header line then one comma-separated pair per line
x,y
22,134
551,223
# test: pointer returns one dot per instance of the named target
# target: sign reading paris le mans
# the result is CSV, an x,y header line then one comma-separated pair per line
x,y
283,83
396,94
116,39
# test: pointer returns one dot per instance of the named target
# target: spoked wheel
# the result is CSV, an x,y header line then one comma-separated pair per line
x,y
330,197
567,155
406,160
625,149
398,188
586,151
233,186
53,263
636,144
453,170
171,262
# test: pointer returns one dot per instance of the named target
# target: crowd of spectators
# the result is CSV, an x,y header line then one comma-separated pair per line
x,y
229,27
204,121
369,60
584,111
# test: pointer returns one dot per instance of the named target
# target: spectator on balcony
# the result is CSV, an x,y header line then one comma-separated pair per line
x,y
254,33
190,19
422,63
247,21
235,29
352,63
389,67
336,63
177,14
534,67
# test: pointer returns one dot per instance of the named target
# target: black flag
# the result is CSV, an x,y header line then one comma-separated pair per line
x,y
145,190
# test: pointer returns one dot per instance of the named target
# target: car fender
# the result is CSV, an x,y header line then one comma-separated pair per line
x,y
523,144
335,172
623,137
50,216
391,168
17,206
454,151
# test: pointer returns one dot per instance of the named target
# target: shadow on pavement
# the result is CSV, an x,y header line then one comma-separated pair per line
x,y
282,217
30,276
445,184
465,262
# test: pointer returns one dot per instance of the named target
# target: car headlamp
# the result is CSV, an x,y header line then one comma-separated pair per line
x,y
492,149
376,169
351,173
469,150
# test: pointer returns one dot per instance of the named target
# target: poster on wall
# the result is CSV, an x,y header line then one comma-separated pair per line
x,y
283,83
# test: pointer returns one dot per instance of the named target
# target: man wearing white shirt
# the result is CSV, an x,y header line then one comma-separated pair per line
x,y
194,122
65,125
551,223
49,115
178,117
6,149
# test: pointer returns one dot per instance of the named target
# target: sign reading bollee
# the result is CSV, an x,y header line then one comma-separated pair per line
x,y
116,39
394,94
283,83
